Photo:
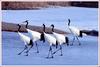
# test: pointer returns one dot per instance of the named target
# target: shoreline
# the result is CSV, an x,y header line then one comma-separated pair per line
x,y
12,27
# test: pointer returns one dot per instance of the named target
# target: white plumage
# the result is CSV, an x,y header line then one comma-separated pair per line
x,y
75,31
61,39
35,35
50,39
27,40
24,38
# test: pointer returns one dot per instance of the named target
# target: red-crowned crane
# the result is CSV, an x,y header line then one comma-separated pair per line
x,y
51,40
34,34
75,31
61,39
27,40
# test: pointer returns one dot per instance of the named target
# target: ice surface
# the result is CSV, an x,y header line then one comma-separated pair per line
x,y
83,18
86,54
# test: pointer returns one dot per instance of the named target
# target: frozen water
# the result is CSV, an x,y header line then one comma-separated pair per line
x,y
86,54
85,18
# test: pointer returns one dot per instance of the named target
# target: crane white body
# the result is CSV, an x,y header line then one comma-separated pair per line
x,y
75,31
24,38
27,40
51,39
60,38
35,35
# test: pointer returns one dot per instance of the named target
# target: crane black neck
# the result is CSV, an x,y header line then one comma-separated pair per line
x,y
26,24
19,26
52,28
68,22
43,27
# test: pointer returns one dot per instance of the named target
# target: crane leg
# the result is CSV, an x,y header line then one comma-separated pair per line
x,y
50,50
51,53
58,50
37,47
28,50
78,40
23,50
61,50
73,41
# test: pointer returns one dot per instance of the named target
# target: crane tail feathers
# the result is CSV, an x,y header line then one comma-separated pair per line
x,y
67,40
81,34
31,42
42,38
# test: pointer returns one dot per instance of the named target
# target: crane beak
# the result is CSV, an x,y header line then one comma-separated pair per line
x,y
18,24
25,21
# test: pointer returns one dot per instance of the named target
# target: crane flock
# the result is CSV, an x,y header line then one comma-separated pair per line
x,y
55,39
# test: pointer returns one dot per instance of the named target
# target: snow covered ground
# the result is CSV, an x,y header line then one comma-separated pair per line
x,y
86,54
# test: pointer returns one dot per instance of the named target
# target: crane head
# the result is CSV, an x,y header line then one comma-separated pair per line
x,y
26,23
52,25
43,27
19,26
43,24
